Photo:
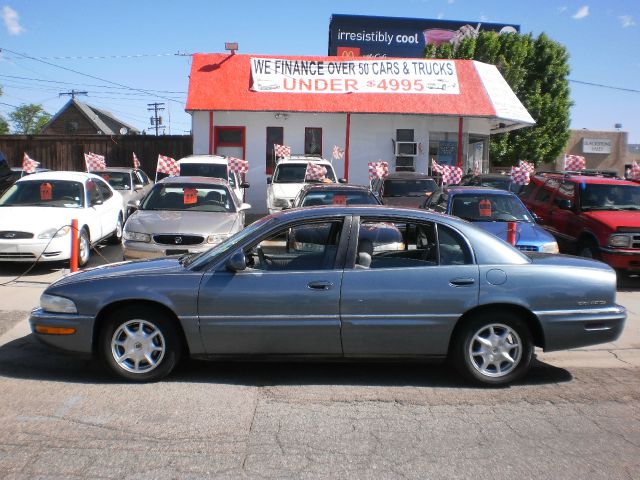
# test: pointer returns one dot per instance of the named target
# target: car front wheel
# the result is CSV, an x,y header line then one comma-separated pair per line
x,y
116,238
140,344
493,349
84,248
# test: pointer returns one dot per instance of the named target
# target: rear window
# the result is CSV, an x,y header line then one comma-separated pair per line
x,y
408,187
295,173
204,170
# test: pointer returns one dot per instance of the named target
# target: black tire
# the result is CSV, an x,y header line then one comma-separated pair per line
x,y
159,340
508,335
84,248
116,238
589,249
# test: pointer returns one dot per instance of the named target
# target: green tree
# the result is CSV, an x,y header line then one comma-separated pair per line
x,y
537,70
4,126
29,119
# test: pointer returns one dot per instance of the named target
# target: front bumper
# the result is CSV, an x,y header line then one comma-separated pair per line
x,y
81,341
142,250
628,260
28,250
564,329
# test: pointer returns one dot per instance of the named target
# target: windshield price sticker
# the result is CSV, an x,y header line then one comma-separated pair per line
x,y
46,191
354,76
190,196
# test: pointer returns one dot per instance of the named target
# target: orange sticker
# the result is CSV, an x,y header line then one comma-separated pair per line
x,y
485,208
339,200
190,196
46,191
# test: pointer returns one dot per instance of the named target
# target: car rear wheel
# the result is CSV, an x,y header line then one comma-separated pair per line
x,y
140,344
493,349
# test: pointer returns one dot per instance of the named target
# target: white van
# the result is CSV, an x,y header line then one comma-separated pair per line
x,y
212,166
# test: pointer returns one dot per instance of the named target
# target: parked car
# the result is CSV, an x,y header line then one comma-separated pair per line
x,y
215,166
36,214
289,177
132,183
494,180
10,175
591,215
406,189
183,215
334,194
492,209
454,291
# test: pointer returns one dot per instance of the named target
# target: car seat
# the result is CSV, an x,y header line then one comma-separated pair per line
x,y
365,252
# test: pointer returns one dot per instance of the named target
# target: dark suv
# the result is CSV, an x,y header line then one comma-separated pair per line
x,y
592,215
405,189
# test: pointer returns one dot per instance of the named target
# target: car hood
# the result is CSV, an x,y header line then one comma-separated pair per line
x,y
36,219
163,221
614,219
404,201
153,267
526,233
286,190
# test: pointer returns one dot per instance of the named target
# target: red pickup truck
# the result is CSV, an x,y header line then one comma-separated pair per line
x,y
590,215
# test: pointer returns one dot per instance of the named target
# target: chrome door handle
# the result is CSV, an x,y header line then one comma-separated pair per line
x,y
319,285
461,282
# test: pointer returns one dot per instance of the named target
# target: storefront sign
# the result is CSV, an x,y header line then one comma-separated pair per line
x,y
596,145
354,76
361,35
447,153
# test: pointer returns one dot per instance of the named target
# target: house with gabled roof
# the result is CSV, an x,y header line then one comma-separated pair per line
x,y
79,118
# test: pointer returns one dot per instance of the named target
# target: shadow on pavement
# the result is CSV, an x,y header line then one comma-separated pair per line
x,y
628,283
27,358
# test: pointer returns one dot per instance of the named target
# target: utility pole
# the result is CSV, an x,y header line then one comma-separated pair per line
x,y
156,121
73,93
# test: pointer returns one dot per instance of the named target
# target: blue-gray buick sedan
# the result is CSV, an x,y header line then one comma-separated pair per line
x,y
308,283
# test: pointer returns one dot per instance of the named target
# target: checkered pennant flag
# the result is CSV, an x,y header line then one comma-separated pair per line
x,y
315,172
378,169
634,174
29,165
436,167
529,167
95,162
136,162
168,165
451,175
281,151
338,152
238,165
574,163
520,176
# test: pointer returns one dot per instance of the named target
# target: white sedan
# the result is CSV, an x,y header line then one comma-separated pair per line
x,y
36,214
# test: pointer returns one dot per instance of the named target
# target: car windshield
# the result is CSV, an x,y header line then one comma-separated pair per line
x,y
610,197
118,180
409,187
214,170
504,183
339,198
295,173
490,208
189,196
44,193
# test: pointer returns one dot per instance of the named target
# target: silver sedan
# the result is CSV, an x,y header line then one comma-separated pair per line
x,y
453,291
183,215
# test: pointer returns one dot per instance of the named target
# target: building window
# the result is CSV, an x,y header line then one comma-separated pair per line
x,y
229,136
275,136
313,141
71,127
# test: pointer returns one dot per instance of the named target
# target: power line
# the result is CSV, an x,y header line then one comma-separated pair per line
x,y
104,57
84,84
591,84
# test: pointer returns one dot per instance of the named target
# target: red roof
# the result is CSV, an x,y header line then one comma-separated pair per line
x,y
222,82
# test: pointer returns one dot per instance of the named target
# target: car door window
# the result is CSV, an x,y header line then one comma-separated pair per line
x,y
105,191
452,248
95,198
308,246
138,180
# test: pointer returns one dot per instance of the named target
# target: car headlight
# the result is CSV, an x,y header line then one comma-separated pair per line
x,y
621,241
217,238
281,202
55,232
550,247
137,236
56,304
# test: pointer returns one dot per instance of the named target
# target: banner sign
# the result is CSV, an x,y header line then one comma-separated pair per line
x,y
596,145
369,36
354,76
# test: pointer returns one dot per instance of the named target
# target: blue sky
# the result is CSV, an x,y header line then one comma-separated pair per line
x,y
142,45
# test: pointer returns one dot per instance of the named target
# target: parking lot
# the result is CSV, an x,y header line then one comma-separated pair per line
x,y
577,415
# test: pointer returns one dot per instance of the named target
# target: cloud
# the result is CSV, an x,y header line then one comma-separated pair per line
x,y
11,21
581,13
627,21
562,9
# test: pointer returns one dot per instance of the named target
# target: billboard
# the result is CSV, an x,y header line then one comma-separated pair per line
x,y
359,35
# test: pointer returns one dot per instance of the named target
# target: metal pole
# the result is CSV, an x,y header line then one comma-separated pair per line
x,y
73,264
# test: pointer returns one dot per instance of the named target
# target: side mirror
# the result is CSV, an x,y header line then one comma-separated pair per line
x,y
342,180
138,187
245,185
244,206
565,204
131,209
237,262
269,180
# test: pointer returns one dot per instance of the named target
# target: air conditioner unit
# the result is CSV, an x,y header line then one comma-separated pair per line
x,y
405,149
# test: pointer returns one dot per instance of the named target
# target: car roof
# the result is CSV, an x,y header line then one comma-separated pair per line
x,y
115,169
56,175
302,159
408,176
335,187
210,159
194,180
462,189
587,179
